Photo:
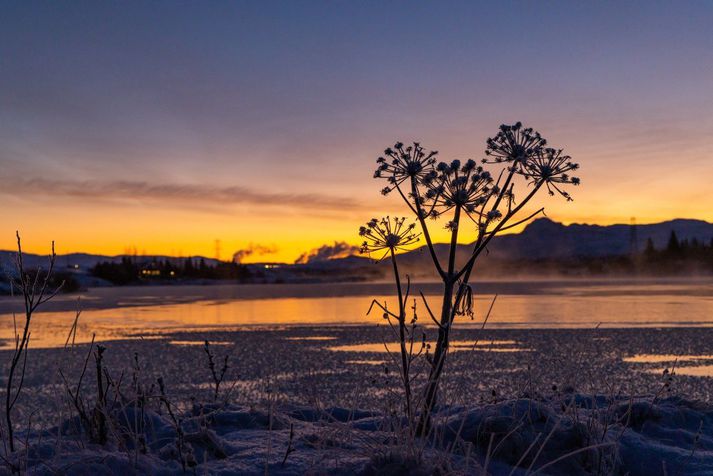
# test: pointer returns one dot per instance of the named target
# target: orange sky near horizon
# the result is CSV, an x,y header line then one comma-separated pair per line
x,y
161,128
180,227
317,206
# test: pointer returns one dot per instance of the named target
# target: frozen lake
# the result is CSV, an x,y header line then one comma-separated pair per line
x,y
144,312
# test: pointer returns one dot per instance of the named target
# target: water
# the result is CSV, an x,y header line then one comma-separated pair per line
x,y
678,364
455,346
146,312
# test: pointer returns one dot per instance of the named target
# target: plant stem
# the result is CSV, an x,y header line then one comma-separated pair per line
x,y
405,370
441,350
424,227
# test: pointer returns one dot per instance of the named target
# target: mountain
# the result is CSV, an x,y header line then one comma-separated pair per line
x,y
542,239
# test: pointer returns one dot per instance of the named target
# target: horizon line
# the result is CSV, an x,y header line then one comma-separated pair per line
x,y
194,256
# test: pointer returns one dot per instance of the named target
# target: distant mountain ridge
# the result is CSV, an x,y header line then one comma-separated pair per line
x,y
545,239
542,238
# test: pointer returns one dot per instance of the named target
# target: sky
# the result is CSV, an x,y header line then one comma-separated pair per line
x,y
165,126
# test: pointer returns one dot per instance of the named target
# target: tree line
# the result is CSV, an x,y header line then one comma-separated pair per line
x,y
131,270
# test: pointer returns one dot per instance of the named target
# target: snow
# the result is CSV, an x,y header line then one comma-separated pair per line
x,y
601,435
339,412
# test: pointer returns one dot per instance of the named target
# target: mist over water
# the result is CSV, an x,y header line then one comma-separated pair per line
x,y
118,313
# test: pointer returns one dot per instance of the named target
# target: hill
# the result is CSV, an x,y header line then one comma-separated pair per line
x,y
547,240
543,240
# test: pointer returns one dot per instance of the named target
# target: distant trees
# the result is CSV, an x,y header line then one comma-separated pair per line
x,y
123,272
673,246
65,281
132,270
679,256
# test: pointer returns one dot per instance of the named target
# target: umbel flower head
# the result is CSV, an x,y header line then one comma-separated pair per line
x,y
401,163
515,145
388,234
466,186
552,167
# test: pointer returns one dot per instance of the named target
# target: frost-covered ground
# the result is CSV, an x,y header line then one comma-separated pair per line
x,y
646,420
567,435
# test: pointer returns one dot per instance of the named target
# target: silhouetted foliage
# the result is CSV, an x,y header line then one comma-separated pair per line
x,y
673,245
679,257
467,197
131,270
63,281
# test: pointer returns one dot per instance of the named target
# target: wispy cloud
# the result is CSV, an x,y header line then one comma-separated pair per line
x,y
171,193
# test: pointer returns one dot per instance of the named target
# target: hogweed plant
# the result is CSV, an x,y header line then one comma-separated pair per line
x,y
386,237
467,197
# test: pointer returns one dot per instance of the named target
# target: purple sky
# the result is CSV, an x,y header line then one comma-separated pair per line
x,y
119,120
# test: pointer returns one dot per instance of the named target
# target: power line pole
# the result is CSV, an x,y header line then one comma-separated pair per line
x,y
217,249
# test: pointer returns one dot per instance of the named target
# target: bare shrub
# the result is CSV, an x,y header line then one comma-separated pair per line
x,y
217,375
35,287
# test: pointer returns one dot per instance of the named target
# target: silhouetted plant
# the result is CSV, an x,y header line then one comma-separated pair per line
x,y
185,456
36,289
100,408
390,235
471,196
218,375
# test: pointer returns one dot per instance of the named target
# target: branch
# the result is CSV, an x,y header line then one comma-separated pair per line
x,y
520,222
497,229
430,313
383,308
454,242
424,227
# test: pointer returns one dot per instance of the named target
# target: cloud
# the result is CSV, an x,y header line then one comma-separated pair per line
x,y
253,249
176,193
340,249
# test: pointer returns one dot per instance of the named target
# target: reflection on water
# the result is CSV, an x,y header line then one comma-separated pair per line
x,y
658,358
642,288
455,346
534,305
309,338
674,361
365,362
481,343
197,342
694,371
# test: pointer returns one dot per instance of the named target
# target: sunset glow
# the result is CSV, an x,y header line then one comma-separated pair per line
x,y
261,126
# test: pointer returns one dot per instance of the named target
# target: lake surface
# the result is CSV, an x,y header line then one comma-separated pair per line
x,y
147,312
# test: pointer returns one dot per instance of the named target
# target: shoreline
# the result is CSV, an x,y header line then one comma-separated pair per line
x,y
155,295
